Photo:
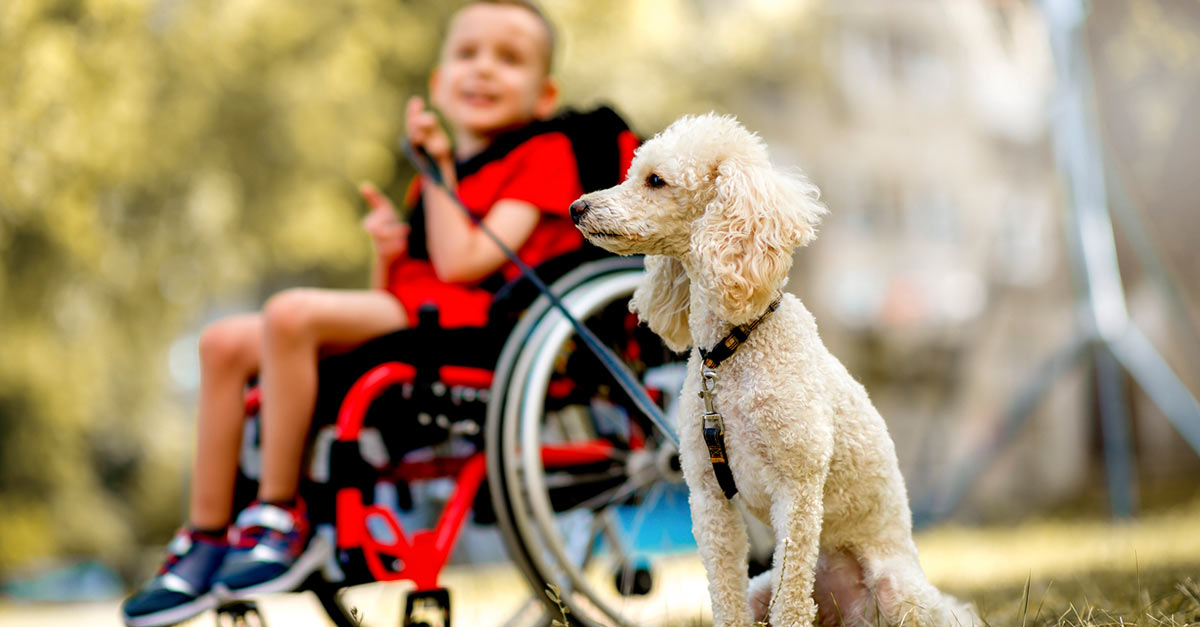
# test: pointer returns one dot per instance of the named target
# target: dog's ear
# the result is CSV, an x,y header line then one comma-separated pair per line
x,y
661,301
743,244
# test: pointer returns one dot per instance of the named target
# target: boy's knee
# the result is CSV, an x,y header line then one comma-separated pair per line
x,y
226,344
289,314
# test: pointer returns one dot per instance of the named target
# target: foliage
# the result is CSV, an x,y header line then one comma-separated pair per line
x,y
552,593
162,155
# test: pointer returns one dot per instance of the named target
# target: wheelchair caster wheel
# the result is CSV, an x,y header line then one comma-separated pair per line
x,y
636,581
427,608
240,614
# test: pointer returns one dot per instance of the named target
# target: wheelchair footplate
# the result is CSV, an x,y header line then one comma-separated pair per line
x,y
240,614
427,608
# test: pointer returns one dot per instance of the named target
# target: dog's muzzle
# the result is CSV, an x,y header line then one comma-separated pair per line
x,y
578,209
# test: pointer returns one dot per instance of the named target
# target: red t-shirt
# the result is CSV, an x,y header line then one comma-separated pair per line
x,y
540,171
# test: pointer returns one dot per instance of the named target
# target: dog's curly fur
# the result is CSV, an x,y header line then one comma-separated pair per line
x,y
810,454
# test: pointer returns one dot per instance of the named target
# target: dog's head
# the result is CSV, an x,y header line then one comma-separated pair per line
x,y
704,192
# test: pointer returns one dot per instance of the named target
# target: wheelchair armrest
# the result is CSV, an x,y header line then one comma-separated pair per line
x,y
365,391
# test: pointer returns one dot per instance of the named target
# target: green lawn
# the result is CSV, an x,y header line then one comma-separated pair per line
x,y
1075,572
1168,596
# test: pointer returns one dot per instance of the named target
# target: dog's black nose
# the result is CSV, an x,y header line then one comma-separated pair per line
x,y
578,208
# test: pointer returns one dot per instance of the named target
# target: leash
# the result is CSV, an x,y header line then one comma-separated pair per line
x,y
625,378
713,425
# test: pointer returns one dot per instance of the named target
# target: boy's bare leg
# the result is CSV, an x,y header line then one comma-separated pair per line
x,y
230,351
300,325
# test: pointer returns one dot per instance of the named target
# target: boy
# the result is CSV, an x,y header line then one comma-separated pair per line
x,y
492,84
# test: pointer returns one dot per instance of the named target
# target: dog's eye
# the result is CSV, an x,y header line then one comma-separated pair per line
x,y
655,180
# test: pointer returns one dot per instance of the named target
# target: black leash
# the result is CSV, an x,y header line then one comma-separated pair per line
x,y
611,362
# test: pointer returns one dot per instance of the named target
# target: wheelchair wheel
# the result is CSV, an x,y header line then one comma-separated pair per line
x,y
588,494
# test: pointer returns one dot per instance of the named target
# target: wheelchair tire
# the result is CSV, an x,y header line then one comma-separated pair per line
x,y
576,527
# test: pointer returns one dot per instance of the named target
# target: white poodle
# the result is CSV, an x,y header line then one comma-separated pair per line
x,y
808,451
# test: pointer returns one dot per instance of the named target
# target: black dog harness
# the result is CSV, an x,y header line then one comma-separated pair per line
x,y
713,425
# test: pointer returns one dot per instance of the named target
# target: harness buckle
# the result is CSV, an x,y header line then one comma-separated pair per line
x,y
714,426
714,437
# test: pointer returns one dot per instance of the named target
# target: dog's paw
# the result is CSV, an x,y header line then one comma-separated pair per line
x,y
760,596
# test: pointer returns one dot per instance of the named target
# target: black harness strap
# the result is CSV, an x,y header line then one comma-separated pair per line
x,y
714,437
713,426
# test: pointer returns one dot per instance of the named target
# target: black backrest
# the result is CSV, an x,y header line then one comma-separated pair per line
x,y
595,140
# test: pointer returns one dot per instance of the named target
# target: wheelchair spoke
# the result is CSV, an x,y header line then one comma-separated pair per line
x,y
652,499
590,551
621,492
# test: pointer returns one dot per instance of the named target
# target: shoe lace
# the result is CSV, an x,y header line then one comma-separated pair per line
x,y
248,537
252,534
179,547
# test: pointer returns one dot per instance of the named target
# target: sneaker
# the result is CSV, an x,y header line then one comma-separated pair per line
x,y
273,551
181,589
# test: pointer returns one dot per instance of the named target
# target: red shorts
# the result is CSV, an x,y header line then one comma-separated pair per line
x,y
414,284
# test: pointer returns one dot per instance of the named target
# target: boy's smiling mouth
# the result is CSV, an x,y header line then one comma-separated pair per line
x,y
478,99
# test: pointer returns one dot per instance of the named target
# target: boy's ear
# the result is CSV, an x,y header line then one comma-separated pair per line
x,y
547,100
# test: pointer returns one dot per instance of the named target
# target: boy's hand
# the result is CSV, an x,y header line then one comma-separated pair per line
x,y
424,131
387,231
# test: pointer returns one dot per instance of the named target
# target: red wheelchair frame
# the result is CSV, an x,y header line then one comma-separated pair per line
x,y
424,554
372,544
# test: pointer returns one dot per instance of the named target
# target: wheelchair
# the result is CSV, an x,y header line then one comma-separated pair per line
x,y
538,438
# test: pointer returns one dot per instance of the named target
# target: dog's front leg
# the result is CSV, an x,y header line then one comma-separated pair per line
x,y
796,516
721,535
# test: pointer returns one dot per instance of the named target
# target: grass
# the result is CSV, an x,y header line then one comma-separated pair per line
x,y
1068,572
1154,598
1165,598
1075,571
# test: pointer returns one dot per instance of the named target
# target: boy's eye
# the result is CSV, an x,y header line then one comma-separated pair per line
x,y
655,181
509,57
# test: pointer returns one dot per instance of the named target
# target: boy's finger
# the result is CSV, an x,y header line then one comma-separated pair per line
x,y
415,105
375,199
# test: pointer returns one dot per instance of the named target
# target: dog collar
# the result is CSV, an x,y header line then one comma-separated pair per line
x,y
725,348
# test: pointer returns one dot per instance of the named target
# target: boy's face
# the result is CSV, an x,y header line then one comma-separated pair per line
x,y
493,71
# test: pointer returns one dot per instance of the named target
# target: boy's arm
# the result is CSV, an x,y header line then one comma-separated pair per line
x,y
460,251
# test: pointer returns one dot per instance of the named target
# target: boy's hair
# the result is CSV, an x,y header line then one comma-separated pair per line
x,y
533,8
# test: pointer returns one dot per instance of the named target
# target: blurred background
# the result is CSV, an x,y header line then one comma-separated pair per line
x,y
166,162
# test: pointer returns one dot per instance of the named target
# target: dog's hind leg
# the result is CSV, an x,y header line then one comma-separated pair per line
x,y
900,591
839,590
760,595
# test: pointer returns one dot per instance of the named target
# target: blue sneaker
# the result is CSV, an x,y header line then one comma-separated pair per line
x,y
181,589
274,550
